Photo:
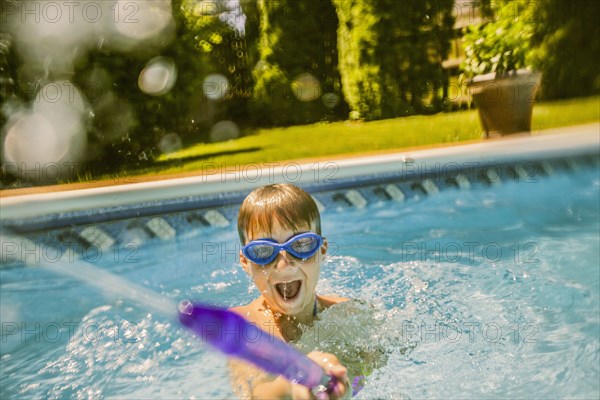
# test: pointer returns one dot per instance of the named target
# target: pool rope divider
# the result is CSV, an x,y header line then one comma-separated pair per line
x,y
362,183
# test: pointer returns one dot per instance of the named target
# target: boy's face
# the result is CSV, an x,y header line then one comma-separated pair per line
x,y
287,284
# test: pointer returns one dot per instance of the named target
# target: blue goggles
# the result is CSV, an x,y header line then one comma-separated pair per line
x,y
264,251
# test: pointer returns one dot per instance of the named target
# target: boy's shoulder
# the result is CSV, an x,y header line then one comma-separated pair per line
x,y
254,311
246,309
327,301
241,310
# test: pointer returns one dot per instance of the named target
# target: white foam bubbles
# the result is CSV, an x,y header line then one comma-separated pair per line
x,y
158,77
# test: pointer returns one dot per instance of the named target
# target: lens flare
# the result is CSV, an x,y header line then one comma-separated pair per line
x,y
224,130
32,140
215,86
169,143
158,77
141,20
330,100
306,87
51,133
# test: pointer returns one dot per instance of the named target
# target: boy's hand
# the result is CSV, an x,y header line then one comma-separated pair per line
x,y
332,366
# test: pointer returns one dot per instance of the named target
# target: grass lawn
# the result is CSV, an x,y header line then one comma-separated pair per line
x,y
327,141
346,138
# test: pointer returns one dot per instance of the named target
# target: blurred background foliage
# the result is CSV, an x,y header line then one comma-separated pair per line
x,y
297,64
500,44
281,63
391,55
566,41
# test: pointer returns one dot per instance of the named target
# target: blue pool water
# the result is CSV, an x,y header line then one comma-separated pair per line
x,y
481,293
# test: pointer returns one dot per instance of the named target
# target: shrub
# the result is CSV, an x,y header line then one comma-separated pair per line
x,y
501,44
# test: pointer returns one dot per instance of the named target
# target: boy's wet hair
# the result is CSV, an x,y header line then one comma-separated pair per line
x,y
281,203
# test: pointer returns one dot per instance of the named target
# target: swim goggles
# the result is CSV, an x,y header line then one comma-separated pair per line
x,y
264,251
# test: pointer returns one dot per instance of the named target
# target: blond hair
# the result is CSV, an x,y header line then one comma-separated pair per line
x,y
282,203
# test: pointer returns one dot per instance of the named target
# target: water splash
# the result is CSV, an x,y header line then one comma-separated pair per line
x,y
105,281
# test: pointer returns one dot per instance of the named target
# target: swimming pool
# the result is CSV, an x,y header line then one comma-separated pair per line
x,y
483,282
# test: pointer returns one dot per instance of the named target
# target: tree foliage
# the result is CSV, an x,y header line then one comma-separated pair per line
x,y
297,63
128,123
359,67
557,38
500,44
300,61
226,34
391,54
566,36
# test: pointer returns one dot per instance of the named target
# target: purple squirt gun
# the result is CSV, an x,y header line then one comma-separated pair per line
x,y
234,336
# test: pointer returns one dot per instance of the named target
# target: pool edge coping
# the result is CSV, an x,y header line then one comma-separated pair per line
x,y
134,179
556,141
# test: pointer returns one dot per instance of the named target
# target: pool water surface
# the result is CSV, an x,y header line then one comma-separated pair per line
x,y
483,293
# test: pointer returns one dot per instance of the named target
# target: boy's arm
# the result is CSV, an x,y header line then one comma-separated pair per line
x,y
244,377
250,382
280,388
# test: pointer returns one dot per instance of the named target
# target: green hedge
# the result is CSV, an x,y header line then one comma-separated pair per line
x,y
296,38
568,49
391,54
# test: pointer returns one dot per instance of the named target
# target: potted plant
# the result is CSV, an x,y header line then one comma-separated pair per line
x,y
497,70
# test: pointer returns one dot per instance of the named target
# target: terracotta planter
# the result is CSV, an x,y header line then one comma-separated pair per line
x,y
505,102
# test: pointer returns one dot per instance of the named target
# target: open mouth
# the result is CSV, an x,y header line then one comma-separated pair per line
x,y
288,290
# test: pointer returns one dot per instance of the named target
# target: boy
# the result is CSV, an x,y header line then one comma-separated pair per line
x,y
279,227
